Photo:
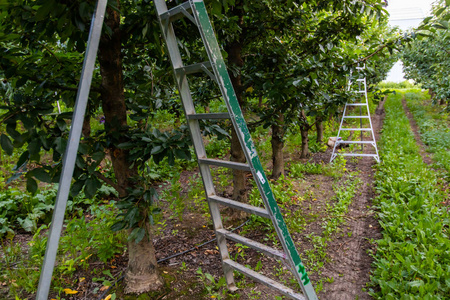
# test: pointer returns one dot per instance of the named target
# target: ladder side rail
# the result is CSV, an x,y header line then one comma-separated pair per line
x,y
220,70
71,151
194,128
360,109
377,157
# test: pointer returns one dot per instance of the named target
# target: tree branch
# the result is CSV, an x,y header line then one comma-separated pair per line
x,y
108,181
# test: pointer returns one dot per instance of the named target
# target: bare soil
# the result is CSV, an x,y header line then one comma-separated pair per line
x,y
423,149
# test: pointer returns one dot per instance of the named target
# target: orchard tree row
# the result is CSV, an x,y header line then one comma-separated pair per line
x,y
426,58
292,57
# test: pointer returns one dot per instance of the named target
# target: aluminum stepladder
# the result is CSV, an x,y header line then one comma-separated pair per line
x,y
195,11
359,88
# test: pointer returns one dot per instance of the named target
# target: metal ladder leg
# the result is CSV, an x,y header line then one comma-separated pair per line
x,y
71,151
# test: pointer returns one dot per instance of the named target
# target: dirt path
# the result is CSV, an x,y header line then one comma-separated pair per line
x,y
351,261
423,152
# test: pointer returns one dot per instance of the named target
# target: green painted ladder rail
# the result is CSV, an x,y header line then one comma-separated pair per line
x,y
358,87
195,11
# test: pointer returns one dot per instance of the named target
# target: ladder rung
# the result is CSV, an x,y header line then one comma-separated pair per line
x,y
361,79
277,254
241,206
360,68
195,68
356,117
356,104
264,280
357,129
360,92
208,116
356,154
226,164
355,142
177,12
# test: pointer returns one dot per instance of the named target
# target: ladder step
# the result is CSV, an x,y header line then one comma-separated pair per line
x,y
355,104
361,79
356,117
241,206
209,116
360,68
355,142
277,254
224,163
356,154
264,280
357,129
195,68
360,92
177,12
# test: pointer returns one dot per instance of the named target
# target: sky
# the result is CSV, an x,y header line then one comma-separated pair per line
x,y
406,14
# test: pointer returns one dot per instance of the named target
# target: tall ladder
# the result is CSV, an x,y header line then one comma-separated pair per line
x,y
195,11
359,99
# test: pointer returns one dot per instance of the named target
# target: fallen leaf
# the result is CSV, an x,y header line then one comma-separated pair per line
x,y
70,292
108,297
104,288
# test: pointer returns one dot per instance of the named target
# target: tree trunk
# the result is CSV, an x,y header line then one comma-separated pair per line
x,y
380,107
319,129
86,130
239,180
304,129
431,93
234,51
142,274
277,147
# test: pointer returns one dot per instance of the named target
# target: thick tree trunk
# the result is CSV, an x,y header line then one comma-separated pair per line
x,y
277,147
319,129
234,50
142,274
304,129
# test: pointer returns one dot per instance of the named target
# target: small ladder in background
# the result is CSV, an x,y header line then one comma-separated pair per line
x,y
359,88
195,11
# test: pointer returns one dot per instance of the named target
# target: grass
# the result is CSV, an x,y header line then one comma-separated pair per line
x,y
433,124
413,257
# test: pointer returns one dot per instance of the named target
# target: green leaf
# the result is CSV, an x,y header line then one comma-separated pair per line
x,y
76,188
34,146
92,185
6,144
44,11
156,150
416,283
41,174
118,226
137,235
27,224
140,235
31,185
22,159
